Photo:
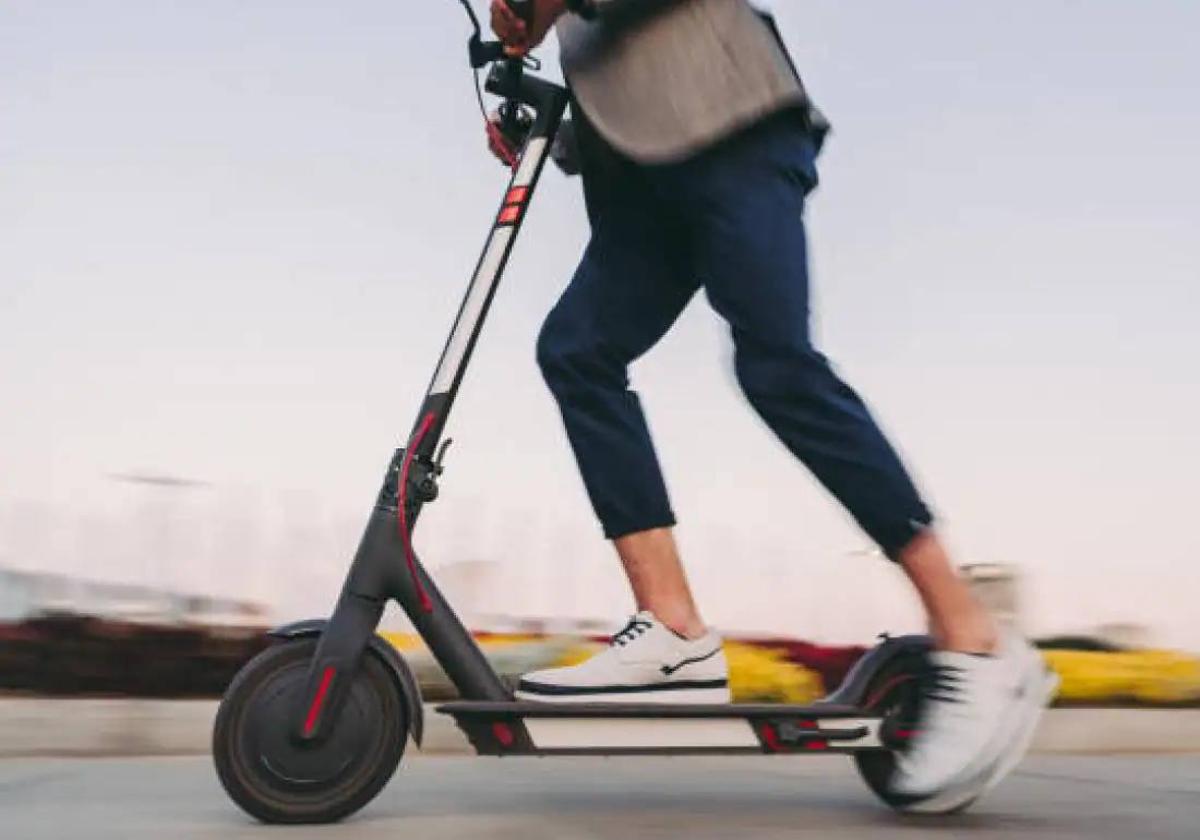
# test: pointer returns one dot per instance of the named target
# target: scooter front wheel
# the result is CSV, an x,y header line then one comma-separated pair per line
x,y
893,694
277,778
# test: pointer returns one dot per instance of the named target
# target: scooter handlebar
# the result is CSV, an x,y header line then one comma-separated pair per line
x,y
510,112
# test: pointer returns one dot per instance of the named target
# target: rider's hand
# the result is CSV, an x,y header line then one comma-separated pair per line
x,y
518,38
502,147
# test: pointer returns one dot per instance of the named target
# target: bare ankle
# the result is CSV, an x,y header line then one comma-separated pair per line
x,y
958,621
655,573
968,638
686,626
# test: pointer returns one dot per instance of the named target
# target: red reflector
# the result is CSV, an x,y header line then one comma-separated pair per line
x,y
816,745
771,738
517,195
504,734
314,711
509,215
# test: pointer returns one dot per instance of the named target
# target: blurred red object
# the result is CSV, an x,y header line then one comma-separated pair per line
x,y
831,662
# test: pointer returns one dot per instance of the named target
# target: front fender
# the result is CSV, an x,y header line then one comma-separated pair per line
x,y
314,627
853,690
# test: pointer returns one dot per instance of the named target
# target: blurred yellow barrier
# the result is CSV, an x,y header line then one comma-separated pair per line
x,y
404,641
1147,676
576,654
411,641
764,675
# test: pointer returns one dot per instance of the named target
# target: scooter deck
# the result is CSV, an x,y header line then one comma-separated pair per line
x,y
530,728
528,708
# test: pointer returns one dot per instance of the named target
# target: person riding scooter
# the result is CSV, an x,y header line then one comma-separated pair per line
x,y
697,143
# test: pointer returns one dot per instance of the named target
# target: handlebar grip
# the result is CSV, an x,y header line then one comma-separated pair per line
x,y
523,9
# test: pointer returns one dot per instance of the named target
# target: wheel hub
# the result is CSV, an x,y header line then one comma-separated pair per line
x,y
269,738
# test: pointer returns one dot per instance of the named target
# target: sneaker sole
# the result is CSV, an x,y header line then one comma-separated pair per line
x,y
1024,732
665,696
948,801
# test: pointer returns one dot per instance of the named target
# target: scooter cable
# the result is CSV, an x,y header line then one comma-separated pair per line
x,y
498,141
402,510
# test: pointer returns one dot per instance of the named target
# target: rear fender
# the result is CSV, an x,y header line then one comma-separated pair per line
x,y
854,688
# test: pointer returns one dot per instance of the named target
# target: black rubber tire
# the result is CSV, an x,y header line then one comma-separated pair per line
x,y
273,777
893,694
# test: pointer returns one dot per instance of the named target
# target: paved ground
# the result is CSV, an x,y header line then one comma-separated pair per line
x,y
47,726
629,799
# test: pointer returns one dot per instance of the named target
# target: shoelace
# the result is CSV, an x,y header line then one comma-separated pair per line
x,y
635,627
942,684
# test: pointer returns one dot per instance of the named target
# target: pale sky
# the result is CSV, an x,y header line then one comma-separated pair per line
x,y
233,236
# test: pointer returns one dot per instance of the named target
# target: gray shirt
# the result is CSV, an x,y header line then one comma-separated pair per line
x,y
662,79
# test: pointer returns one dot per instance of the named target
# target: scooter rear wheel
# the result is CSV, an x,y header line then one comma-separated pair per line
x,y
893,694
274,776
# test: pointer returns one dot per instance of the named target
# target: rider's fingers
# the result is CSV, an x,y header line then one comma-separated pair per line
x,y
505,23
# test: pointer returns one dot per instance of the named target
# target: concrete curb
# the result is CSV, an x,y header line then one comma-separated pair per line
x,y
54,727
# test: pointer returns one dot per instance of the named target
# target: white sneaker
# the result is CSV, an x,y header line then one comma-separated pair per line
x,y
1025,726
644,663
977,720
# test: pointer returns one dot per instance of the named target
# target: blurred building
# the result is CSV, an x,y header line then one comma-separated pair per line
x,y
1127,635
997,585
25,595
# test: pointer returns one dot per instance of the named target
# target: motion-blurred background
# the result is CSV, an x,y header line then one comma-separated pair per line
x,y
233,236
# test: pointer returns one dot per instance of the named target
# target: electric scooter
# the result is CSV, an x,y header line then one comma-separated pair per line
x,y
312,728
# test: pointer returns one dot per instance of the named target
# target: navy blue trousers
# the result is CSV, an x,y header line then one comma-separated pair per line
x,y
729,221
